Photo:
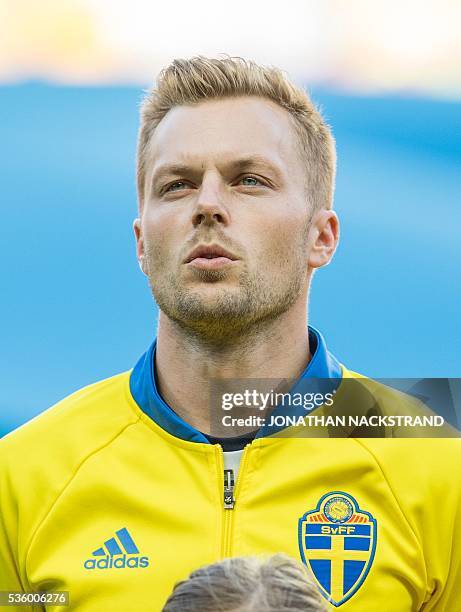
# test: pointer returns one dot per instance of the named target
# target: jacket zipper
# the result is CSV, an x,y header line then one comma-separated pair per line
x,y
229,497
229,500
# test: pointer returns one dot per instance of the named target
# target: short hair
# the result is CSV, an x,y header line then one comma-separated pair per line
x,y
199,79
248,584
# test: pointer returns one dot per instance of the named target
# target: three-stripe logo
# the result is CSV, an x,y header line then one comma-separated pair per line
x,y
117,552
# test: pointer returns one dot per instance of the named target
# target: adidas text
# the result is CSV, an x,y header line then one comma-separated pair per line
x,y
118,562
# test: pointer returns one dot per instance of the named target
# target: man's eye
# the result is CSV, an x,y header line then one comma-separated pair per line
x,y
251,181
177,186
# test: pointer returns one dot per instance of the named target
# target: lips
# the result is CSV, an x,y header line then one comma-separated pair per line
x,y
210,258
212,251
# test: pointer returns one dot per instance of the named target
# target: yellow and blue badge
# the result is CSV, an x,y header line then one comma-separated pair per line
x,y
337,541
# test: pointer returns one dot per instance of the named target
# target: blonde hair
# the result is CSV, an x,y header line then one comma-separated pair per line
x,y
248,584
195,80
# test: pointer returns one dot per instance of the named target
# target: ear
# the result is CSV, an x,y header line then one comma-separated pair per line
x,y
324,238
140,254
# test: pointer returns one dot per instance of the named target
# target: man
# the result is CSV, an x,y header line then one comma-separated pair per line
x,y
121,489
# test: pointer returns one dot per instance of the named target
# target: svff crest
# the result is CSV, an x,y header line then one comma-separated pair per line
x,y
337,541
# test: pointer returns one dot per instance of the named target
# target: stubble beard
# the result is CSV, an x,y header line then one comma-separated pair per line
x,y
232,313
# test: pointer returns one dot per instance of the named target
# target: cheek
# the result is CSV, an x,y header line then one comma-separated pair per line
x,y
161,236
284,240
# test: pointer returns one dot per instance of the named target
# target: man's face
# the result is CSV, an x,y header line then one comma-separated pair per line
x,y
225,222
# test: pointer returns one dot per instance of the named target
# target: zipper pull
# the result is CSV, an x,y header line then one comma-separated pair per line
x,y
229,500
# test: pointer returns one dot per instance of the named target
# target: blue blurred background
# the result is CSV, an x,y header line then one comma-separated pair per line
x,y
74,306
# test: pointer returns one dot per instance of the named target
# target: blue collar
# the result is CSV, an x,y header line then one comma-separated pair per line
x,y
144,390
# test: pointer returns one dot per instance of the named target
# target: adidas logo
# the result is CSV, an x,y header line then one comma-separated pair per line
x,y
117,552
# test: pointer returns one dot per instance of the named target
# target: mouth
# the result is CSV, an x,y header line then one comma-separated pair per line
x,y
210,257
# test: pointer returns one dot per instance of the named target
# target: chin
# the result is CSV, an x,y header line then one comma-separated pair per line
x,y
213,298
209,277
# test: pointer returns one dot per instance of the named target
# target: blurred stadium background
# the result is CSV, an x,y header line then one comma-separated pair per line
x,y
74,306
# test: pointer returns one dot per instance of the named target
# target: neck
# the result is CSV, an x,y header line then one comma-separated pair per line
x,y
185,363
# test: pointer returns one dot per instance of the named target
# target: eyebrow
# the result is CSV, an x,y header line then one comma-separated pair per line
x,y
254,160
237,165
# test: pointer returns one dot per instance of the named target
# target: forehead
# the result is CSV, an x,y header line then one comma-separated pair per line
x,y
219,129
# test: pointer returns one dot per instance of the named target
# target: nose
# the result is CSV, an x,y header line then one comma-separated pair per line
x,y
209,207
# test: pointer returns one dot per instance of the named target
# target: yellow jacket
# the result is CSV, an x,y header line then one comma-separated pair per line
x,y
98,498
